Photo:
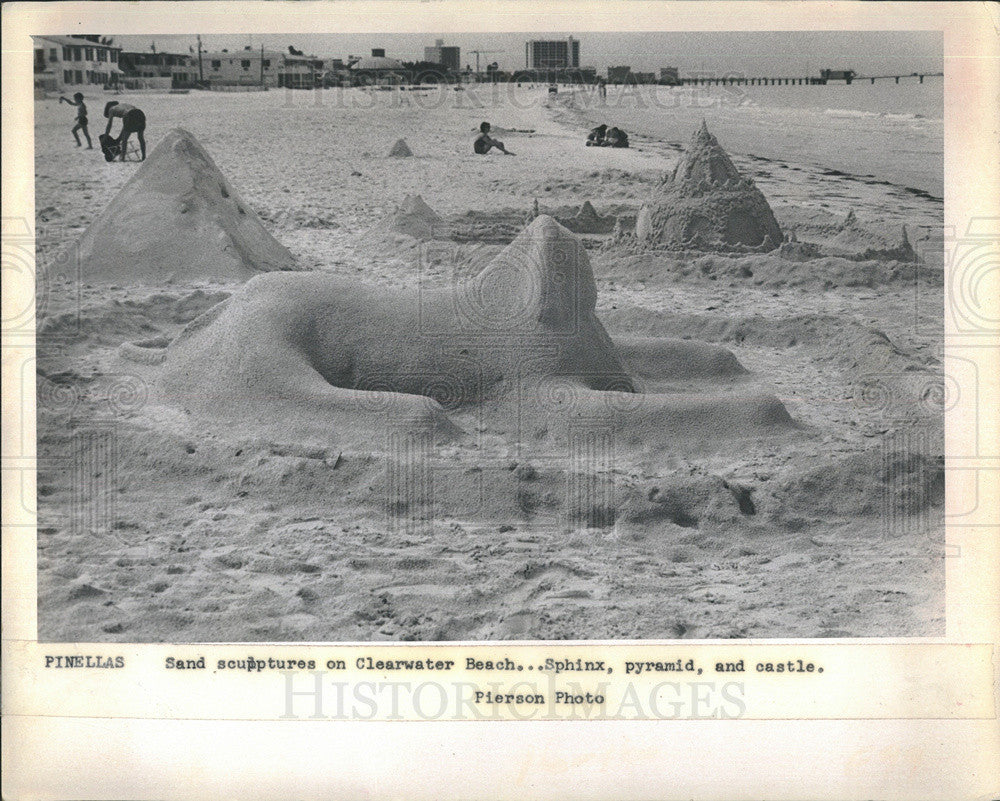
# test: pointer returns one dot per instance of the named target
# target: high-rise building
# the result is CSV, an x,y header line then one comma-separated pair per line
x,y
558,54
450,57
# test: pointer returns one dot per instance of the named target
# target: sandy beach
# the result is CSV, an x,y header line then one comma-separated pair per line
x,y
831,528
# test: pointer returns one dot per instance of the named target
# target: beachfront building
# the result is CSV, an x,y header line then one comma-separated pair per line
x,y
448,57
70,63
559,54
176,70
336,72
301,72
247,67
622,74
377,69
261,67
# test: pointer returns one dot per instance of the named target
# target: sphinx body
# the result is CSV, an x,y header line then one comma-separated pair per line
x,y
317,356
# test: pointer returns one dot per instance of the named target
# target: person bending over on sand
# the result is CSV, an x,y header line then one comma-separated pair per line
x,y
616,138
596,137
81,118
133,122
485,143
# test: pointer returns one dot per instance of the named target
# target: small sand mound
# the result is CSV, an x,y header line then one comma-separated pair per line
x,y
412,218
177,219
706,204
588,221
400,149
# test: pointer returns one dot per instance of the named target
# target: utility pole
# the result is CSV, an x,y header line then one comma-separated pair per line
x,y
262,66
479,53
201,74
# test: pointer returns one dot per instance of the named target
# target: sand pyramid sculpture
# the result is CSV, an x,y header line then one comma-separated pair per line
x,y
400,149
314,357
412,217
588,221
176,220
705,203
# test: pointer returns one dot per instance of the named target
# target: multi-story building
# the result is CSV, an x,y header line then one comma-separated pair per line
x,y
622,74
261,67
245,67
558,54
181,68
63,63
448,57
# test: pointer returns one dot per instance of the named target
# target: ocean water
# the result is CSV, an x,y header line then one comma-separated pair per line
x,y
882,131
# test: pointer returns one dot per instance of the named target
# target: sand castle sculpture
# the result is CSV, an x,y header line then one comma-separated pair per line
x,y
862,243
400,149
177,219
706,204
314,357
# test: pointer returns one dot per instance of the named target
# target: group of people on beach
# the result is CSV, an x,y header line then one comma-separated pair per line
x,y
133,122
603,136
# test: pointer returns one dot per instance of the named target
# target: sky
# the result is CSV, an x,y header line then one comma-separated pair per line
x,y
763,53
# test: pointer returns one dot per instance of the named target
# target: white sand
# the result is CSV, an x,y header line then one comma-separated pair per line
x,y
215,537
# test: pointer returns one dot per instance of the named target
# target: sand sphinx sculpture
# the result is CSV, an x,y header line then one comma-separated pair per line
x,y
706,204
176,220
314,357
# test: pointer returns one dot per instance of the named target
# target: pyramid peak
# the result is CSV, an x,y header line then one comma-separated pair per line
x,y
705,162
174,140
179,133
544,277
703,137
415,204
400,148
548,224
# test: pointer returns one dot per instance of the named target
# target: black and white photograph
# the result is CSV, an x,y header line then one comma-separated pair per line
x,y
433,399
467,337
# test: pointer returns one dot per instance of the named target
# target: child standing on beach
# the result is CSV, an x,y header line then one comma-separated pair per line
x,y
133,122
81,118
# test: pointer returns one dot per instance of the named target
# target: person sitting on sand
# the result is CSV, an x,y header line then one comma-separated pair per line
x,y
133,122
81,118
596,137
616,138
485,143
